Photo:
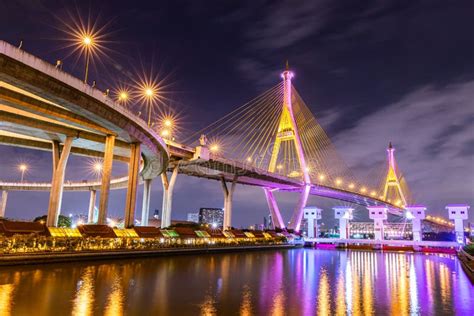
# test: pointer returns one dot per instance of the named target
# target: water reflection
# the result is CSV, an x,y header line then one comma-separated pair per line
x,y
294,282
84,300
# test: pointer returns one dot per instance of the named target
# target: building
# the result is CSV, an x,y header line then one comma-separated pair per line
x,y
212,216
193,217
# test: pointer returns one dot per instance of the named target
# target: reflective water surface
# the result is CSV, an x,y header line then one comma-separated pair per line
x,y
287,282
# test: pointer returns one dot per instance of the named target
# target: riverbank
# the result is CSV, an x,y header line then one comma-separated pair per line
x,y
467,263
58,257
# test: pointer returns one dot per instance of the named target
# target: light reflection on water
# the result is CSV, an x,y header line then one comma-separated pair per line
x,y
293,282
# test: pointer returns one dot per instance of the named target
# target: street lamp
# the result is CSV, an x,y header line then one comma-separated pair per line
x,y
87,41
149,93
123,96
23,168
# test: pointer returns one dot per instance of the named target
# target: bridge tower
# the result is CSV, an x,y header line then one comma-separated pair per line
x,y
344,214
378,214
458,213
312,215
288,132
392,180
416,213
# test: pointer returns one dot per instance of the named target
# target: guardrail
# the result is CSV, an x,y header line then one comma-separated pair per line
x,y
425,243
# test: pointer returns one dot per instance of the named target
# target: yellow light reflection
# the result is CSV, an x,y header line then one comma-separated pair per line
x,y
246,304
115,300
83,303
208,308
6,298
324,307
340,299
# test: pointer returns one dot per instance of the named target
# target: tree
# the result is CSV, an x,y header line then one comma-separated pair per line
x,y
63,221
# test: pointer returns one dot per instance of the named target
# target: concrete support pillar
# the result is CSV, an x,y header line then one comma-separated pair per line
x,y
146,201
378,214
277,220
106,175
312,214
168,186
416,213
131,199
3,203
297,216
57,183
458,213
90,214
344,215
228,193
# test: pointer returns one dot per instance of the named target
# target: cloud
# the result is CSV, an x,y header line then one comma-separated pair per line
x,y
432,131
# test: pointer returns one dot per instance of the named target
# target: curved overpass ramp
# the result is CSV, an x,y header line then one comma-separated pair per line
x,y
42,107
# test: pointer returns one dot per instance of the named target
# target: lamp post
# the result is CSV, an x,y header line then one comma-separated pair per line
x,y
87,42
23,168
149,94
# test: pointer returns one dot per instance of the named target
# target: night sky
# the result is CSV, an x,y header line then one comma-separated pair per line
x,y
371,71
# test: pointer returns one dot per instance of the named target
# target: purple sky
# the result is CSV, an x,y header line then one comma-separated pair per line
x,y
400,71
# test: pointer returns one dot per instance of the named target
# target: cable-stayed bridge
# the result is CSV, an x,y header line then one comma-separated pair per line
x,y
273,142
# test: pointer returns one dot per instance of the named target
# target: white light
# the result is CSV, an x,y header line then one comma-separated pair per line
x,y
409,215
214,225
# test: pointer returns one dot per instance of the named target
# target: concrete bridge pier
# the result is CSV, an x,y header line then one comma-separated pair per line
x,y
168,186
312,215
90,214
57,183
146,201
106,175
277,220
131,199
228,193
3,203
416,213
458,213
378,214
344,214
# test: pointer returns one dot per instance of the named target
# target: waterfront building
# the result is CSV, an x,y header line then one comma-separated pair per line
x,y
211,216
193,217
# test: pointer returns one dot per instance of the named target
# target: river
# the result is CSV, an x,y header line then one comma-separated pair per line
x,y
281,282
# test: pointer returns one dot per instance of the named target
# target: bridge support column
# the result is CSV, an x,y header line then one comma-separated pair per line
x,y
416,213
90,214
277,220
168,186
106,175
228,193
344,214
378,214
3,203
146,201
312,214
131,199
297,216
57,183
458,212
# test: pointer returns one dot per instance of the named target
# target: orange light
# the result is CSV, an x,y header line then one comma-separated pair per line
x,y
87,40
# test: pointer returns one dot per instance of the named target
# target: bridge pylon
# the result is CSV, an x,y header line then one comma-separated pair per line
x,y
392,179
288,132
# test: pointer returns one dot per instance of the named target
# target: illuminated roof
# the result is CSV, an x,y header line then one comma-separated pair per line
x,y
202,234
64,232
169,233
130,233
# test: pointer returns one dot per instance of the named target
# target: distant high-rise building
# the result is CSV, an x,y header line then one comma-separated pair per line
x,y
193,217
212,216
